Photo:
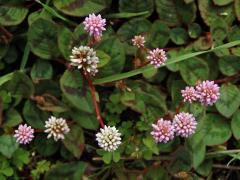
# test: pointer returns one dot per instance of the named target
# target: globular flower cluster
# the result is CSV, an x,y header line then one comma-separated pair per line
x,y
138,41
163,131
108,138
157,57
56,127
189,94
85,58
24,134
206,92
183,125
94,25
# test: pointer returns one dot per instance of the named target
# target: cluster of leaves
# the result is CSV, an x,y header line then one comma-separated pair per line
x,y
36,39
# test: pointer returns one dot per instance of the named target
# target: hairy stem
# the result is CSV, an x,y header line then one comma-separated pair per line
x,y
94,100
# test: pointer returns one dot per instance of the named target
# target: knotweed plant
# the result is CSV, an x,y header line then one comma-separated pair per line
x,y
136,117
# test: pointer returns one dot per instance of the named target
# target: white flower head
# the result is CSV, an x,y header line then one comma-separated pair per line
x,y
108,138
85,58
56,127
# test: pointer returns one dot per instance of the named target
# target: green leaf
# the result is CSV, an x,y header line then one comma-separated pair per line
x,y
172,60
8,145
218,29
45,147
79,8
197,148
229,100
235,125
116,156
151,144
42,38
209,12
107,157
176,87
12,15
194,30
42,167
76,90
179,36
20,158
193,70
13,118
135,6
156,173
133,27
222,2
3,50
158,35
181,160
237,8
74,141
116,52
41,70
103,58
229,65
215,128
34,116
175,13
65,42
20,85
67,171
5,168
205,168
86,120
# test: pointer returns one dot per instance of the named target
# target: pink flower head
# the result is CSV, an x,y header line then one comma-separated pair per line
x,y
189,94
94,25
157,57
24,134
163,131
207,92
138,41
184,124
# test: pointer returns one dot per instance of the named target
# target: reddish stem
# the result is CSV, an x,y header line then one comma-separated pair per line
x,y
38,130
94,100
179,107
227,79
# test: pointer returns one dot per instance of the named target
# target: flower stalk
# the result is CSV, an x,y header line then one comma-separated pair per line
x,y
94,100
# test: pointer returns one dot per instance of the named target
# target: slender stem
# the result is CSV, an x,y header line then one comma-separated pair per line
x,y
93,93
221,166
6,32
223,152
227,79
157,158
179,107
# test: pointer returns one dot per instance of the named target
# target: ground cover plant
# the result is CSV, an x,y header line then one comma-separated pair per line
x,y
124,89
